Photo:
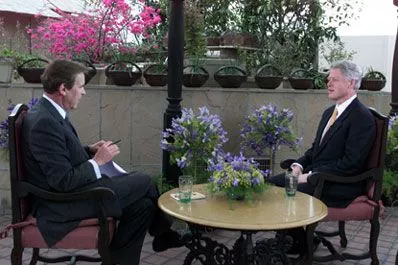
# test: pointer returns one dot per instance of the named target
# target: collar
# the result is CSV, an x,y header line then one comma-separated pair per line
x,y
61,111
342,107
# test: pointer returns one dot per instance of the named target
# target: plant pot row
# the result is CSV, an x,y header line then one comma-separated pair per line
x,y
125,73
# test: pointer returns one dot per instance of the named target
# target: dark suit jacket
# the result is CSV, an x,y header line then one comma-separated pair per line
x,y
56,161
343,151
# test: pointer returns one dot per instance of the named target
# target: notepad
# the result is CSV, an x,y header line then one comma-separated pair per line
x,y
195,196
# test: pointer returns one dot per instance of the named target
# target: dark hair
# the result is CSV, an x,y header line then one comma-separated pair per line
x,y
61,72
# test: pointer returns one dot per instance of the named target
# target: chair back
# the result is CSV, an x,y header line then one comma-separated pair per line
x,y
19,202
376,157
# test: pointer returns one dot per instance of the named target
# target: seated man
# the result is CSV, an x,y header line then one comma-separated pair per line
x,y
342,142
56,161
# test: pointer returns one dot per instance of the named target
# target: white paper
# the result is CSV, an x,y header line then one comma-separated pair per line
x,y
112,169
195,196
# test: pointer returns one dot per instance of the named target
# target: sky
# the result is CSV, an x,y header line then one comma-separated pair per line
x,y
378,17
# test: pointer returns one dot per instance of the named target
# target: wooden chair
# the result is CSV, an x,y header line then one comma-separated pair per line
x,y
94,233
365,207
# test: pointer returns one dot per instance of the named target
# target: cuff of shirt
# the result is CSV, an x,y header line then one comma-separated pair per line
x,y
297,164
96,168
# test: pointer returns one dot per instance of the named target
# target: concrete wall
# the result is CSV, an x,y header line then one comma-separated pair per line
x,y
135,115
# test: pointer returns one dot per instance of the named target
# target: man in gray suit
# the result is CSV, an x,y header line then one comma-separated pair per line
x,y
342,142
56,161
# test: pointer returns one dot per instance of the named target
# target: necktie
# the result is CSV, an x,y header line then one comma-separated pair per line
x,y
332,119
67,121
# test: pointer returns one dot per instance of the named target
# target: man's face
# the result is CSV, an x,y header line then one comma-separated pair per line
x,y
73,95
339,88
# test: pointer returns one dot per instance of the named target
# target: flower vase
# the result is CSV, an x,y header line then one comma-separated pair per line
x,y
272,160
236,196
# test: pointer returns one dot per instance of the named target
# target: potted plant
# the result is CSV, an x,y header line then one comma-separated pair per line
x,y
32,69
155,73
123,73
268,77
230,76
194,74
238,177
373,81
301,79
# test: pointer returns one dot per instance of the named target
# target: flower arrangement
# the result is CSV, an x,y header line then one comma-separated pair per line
x,y
4,124
268,127
98,32
238,177
193,140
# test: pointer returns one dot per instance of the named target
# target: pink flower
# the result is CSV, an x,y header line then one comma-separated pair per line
x,y
93,33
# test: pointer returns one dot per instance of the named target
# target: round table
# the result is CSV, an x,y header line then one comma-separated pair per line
x,y
271,210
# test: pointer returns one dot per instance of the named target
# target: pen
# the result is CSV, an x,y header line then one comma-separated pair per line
x,y
115,142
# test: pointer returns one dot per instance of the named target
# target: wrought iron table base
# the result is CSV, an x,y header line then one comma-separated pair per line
x,y
265,252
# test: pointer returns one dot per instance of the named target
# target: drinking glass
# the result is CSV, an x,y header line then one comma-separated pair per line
x,y
291,182
185,183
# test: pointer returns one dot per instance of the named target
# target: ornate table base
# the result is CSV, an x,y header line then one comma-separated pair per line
x,y
265,252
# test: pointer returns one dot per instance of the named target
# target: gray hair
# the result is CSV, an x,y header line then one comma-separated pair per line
x,y
350,71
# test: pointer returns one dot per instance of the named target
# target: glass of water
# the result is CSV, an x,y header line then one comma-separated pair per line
x,y
291,182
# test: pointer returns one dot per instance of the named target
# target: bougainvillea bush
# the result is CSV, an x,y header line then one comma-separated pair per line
x,y
112,26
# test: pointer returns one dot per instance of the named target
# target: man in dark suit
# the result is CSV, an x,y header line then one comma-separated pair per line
x,y
342,142
56,161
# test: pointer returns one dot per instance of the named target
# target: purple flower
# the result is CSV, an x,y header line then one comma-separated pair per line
x,y
4,123
197,137
268,127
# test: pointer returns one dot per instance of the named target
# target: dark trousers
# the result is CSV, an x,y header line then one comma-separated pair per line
x,y
138,198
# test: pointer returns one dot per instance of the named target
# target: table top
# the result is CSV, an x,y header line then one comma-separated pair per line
x,y
269,211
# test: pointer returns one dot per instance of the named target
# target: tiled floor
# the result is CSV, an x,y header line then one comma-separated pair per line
x,y
357,233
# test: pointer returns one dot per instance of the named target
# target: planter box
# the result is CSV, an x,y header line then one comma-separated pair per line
x,y
6,69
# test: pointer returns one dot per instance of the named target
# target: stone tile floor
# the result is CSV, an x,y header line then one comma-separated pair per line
x,y
357,234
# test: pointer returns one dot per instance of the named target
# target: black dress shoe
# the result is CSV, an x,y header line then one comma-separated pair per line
x,y
170,239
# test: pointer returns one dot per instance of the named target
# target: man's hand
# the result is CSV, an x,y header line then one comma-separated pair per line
x,y
302,178
296,170
93,148
106,152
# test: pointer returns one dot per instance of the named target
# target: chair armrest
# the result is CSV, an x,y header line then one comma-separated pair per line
x,y
315,177
318,179
93,193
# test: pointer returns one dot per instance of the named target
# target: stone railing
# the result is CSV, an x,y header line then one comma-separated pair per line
x,y
135,115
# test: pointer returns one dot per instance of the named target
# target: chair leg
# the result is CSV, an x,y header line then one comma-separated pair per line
x,y
35,256
16,256
374,236
343,237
